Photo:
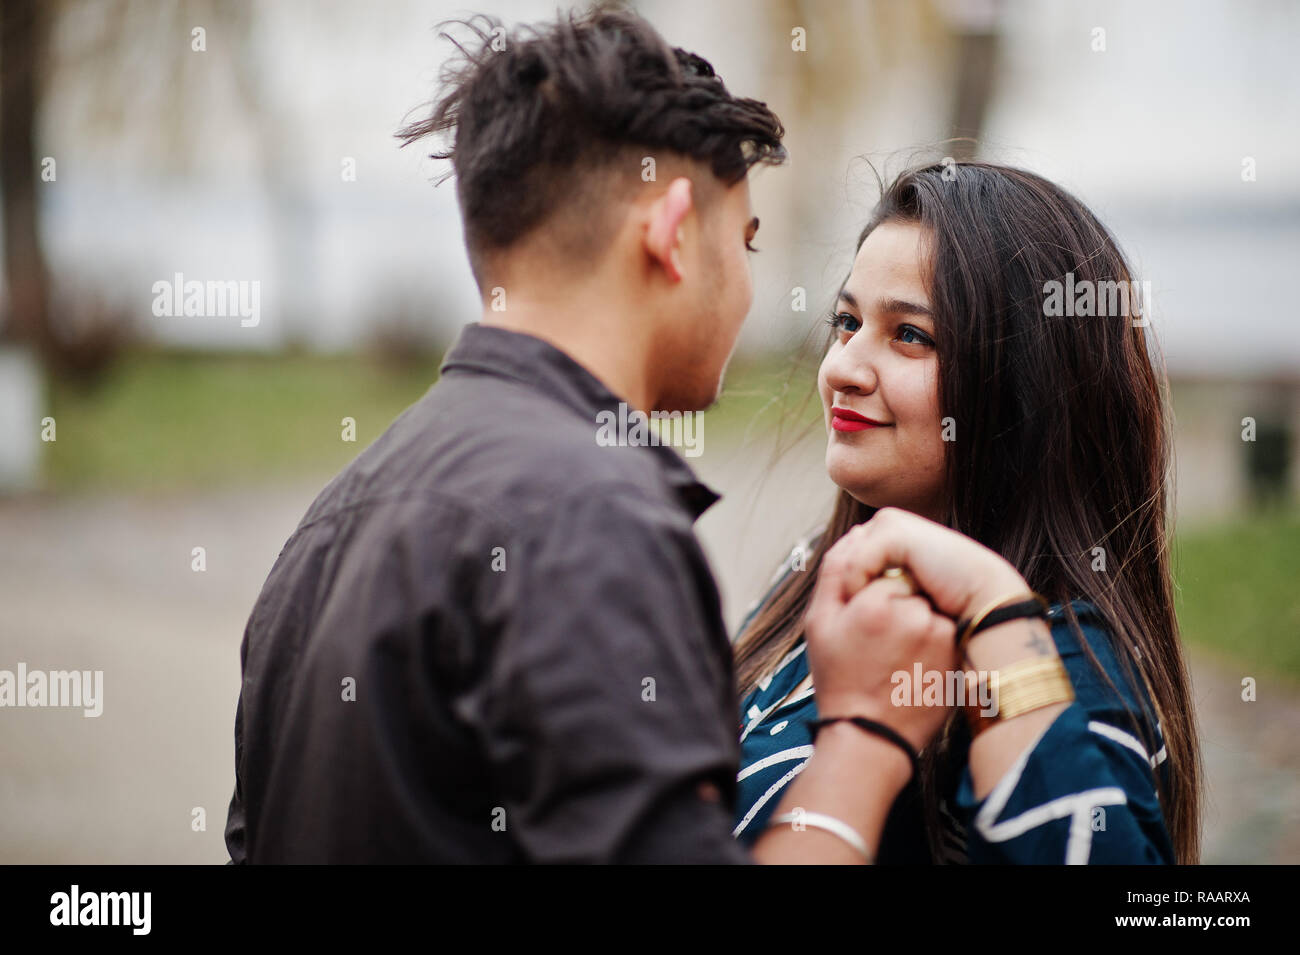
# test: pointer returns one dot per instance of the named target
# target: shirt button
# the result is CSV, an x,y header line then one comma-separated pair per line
x,y
778,727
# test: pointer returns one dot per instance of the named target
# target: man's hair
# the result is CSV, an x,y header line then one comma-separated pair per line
x,y
556,118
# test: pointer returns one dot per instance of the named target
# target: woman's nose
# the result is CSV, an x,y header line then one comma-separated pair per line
x,y
850,369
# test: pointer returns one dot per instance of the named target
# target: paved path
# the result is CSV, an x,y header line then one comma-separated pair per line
x,y
106,583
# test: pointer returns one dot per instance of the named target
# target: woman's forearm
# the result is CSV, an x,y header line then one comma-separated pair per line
x,y
996,749
854,777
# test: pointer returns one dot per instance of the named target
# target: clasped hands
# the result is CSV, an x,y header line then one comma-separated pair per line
x,y
863,625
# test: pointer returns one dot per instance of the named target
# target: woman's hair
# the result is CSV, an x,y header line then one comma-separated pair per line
x,y
1062,452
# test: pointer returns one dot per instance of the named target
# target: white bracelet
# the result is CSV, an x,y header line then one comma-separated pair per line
x,y
835,827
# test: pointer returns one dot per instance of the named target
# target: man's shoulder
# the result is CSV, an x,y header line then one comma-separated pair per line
x,y
528,450
502,463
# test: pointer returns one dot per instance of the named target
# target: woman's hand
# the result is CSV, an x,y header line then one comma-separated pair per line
x,y
859,637
863,628
959,575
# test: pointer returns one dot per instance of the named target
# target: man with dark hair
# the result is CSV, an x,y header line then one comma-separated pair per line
x,y
491,638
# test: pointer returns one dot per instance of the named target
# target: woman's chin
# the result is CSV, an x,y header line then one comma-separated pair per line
x,y
858,485
846,467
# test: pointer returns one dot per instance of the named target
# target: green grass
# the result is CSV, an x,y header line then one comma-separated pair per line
x,y
1239,592
764,396
169,420
162,420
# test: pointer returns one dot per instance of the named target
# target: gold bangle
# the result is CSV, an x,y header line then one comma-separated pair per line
x,y
1021,688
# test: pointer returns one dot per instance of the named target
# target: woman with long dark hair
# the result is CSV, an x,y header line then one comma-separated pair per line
x,y
987,373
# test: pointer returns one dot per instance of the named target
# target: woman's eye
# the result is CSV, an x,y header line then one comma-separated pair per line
x,y
918,337
844,322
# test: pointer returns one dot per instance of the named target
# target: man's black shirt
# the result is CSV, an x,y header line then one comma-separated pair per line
x,y
491,639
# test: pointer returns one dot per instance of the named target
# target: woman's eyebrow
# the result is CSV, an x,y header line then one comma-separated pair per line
x,y
892,306
895,306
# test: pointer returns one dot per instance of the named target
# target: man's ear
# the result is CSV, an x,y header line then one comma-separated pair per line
x,y
662,234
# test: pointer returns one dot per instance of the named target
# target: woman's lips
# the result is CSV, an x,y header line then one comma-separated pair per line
x,y
844,420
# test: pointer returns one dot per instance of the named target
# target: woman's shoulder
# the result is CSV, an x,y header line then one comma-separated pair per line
x,y
1093,628
1110,694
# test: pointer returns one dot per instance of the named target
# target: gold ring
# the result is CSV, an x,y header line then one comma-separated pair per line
x,y
901,574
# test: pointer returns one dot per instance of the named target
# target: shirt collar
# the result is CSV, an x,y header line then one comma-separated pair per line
x,y
489,350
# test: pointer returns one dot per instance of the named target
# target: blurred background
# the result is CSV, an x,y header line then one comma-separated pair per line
x,y
252,143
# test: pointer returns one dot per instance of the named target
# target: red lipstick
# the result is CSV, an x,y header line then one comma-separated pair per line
x,y
842,419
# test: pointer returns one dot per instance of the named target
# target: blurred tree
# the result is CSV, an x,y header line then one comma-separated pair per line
x,y
870,70
974,27
24,32
85,346
139,87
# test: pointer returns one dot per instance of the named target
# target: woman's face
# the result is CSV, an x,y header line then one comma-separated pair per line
x,y
882,366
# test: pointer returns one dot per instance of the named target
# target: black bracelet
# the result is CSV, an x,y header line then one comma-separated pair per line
x,y
877,729
1034,607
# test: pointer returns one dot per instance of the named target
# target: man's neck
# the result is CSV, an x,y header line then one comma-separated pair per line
x,y
607,342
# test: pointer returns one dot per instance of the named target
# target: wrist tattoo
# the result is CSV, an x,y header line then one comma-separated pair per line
x,y
1037,643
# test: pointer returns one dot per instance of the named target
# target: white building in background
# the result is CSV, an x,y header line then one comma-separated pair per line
x,y
335,220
